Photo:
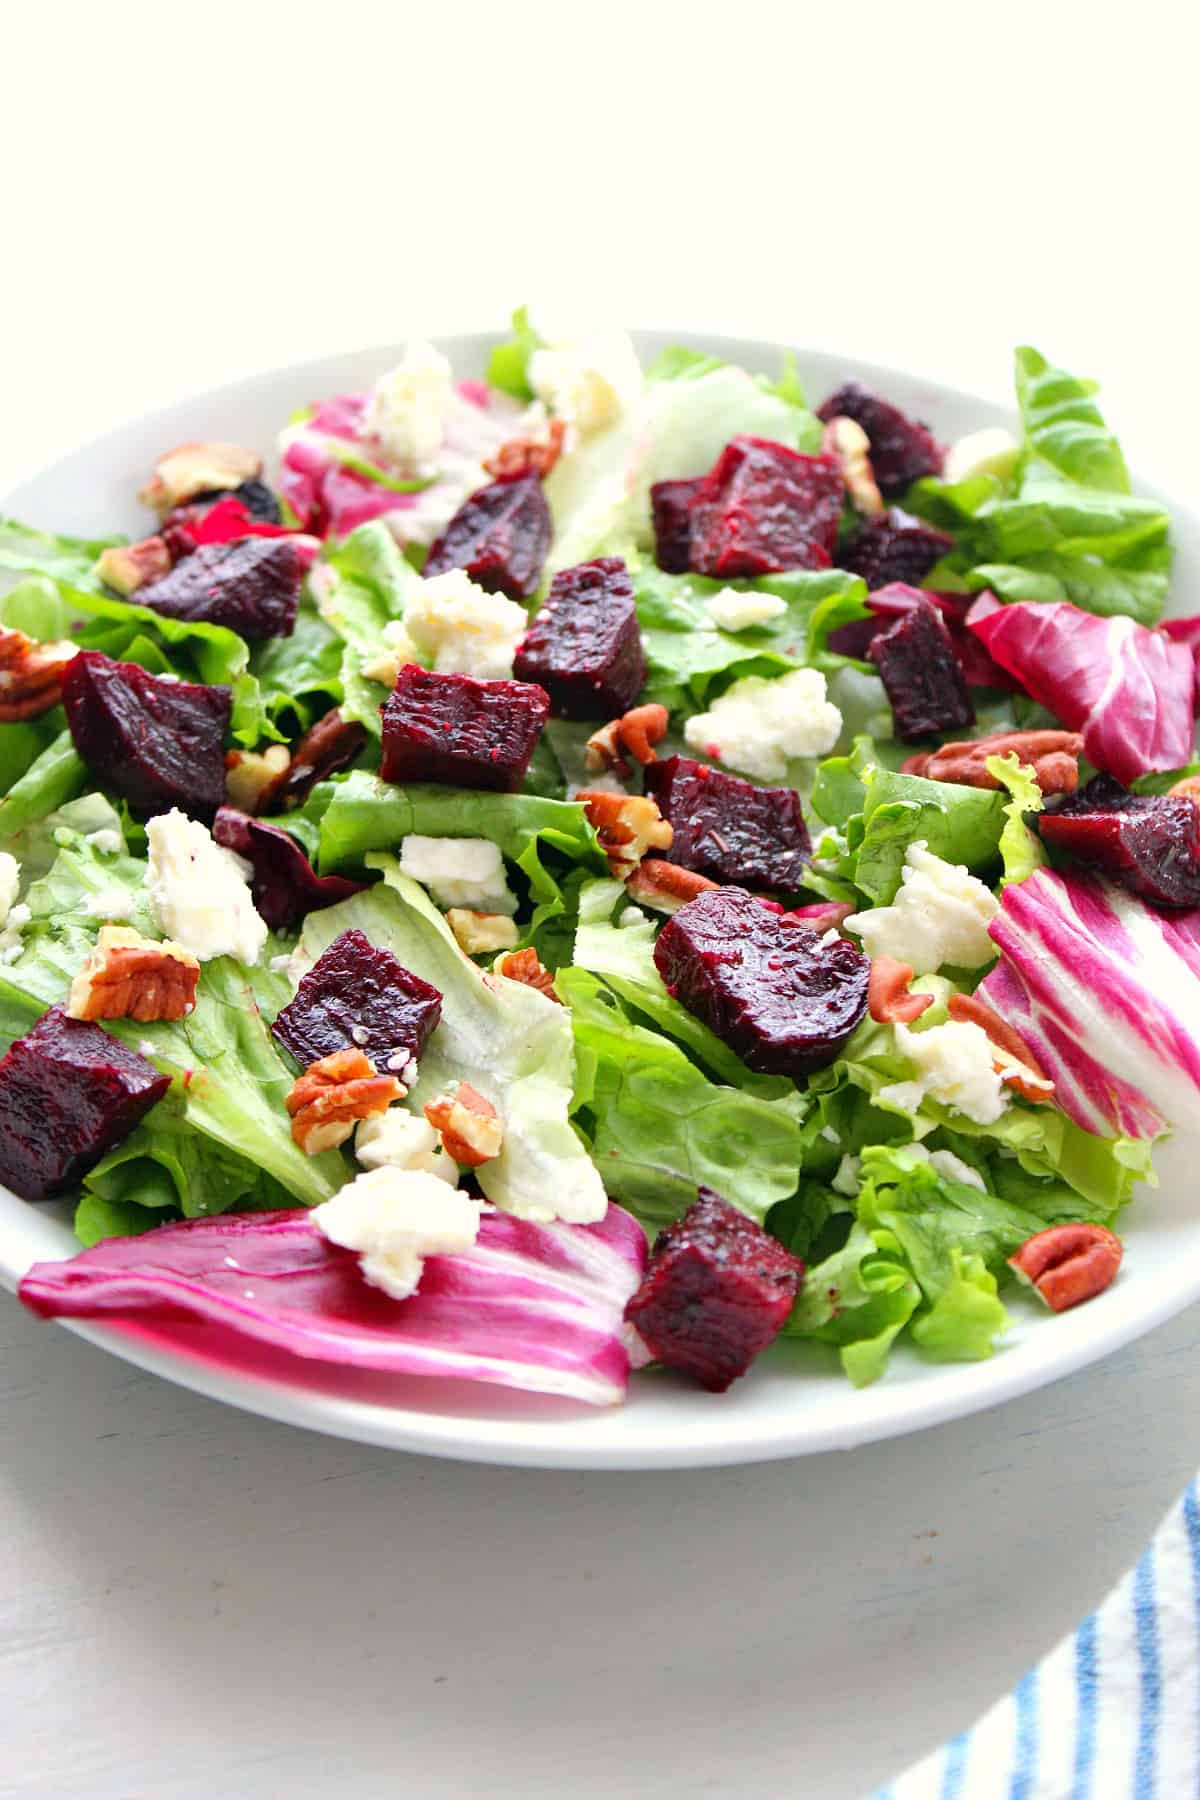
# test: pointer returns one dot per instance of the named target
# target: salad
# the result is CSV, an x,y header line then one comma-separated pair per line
x,y
595,867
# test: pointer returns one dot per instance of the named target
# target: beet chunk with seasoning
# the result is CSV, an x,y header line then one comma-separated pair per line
x,y
670,507
922,676
69,1092
727,828
902,449
466,733
285,886
763,508
1150,843
763,981
717,1291
158,743
500,536
251,585
893,547
584,646
356,997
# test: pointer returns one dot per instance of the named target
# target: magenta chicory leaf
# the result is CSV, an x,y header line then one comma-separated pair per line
x,y
1129,690
530,1306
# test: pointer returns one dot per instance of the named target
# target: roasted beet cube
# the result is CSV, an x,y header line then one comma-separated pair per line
x,y
285,885
356,997
158,743
69,1092
251,585
727,828
1148,842
902,449
717,1291
762,508
925,685
764,982
466,733
499,535
584,645
670,506
893,547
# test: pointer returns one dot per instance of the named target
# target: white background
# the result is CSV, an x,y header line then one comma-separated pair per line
x,y
196,1604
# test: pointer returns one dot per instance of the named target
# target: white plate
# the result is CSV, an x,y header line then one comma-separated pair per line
x,y
795,1401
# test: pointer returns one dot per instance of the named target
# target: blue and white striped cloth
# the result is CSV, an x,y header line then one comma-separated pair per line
x,y
1113,1713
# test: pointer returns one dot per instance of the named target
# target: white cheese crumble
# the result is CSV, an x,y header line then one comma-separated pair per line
x,y
461,629
396,650
395,1218
406,409
110,903
953,1168
198,891
459,872
11,943
399,1139
940,915
758,725
587,377
954,1065
848,1179
735,611
10,884
107,841
992,451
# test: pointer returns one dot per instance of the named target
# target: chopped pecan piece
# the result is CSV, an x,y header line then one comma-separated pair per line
x,y
479,932
253,777
637,731
1010,1058
127,567
328,746
471,1128
333,1094
628,825
888,999
30,675
128,976
192,469
1069,1263
664,886
848,442
1052,755
533,455
525,967
1187,789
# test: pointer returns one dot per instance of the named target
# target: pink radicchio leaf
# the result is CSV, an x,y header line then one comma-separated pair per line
x,y
1105,992
538,1307
1128,690
285,886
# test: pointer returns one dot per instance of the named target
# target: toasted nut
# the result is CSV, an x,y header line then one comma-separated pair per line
x,y
333,1094
636,731
192,469
30,675
1052,755
888,999
1187,789
472,1132
253,777
628,825
127,567
533,455
665,886
846,439
1010,1058
128,976
1069,1263
480,932
525,967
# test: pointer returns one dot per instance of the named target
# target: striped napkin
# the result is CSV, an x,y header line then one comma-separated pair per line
x,y
1113,1713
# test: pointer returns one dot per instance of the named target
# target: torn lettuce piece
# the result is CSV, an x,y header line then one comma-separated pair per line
x,y
300,677
1020,847
959,824
57,774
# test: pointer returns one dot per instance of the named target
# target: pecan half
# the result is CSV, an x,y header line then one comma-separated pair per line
x,y
533,455
329,745
1069,1264
846,440
128,976
1010,1058
127,567
636,731
888,999
478,932
192,469
333,1094
525,967
664,886
471,1128
30,675
628,825
252,777
1052,755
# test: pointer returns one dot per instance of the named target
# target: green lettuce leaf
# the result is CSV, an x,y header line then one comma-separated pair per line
x,y
368,585
67,559
300,677
959,824
1020,848
22,742
55,776
1064,428
508,364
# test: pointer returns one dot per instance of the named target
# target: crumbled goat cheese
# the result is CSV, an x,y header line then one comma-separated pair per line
x,y
199,894
396,650
940,915
464,630
107,841
406,409
758,725
954,1065
399,1139
944,1162
633,915
11,944
459,872
10,884
735,611
992,451
848,1179
111,904
395,1218
589,378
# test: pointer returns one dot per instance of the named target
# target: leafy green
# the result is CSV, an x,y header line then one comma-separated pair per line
x,y
55,776
1020,848
508,365
300,677
678,363
97,1218
959,824
22,742
369,587
1063,427
68,559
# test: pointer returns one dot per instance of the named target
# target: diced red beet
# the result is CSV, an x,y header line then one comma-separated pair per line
x,y
358,997
762,508
895,547
499,535
466,733
727,828
902,449
285,886
1148,842
887,604
69,1092
670,505
251,585
584,646
329,745
717,1291
920,672
158,743
763,981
